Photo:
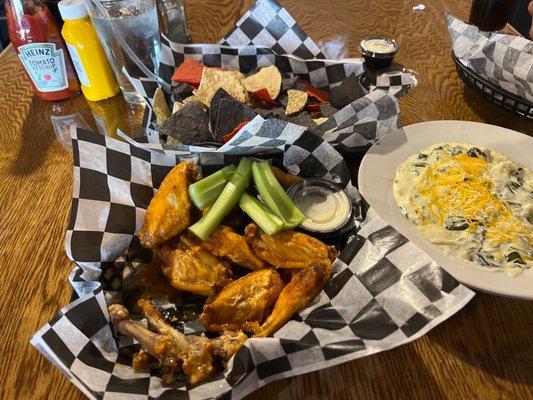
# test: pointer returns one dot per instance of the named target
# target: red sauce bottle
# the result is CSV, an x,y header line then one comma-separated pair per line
x,y
40,47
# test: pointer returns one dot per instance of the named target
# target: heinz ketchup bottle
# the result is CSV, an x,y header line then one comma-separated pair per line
x,y
40,47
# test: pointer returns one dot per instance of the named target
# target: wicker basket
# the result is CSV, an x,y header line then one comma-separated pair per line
x,y
501,97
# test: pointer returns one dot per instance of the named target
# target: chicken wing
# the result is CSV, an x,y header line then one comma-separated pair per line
x,y
195,355
227,344
299,292
289,249
159,346
195,352
225,242
193,269
285,179
169,211
244,303
148,282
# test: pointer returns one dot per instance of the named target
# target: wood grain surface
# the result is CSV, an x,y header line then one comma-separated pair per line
x,y
485,351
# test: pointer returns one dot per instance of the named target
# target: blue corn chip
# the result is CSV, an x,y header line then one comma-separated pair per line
x,y
230,113
190,125
347,92
219,95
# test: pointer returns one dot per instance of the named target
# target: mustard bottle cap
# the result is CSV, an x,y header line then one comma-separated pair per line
x,y
72,9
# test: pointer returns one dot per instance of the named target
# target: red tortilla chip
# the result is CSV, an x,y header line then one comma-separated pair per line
x,y
228,136
313,107
312,91
189,71
263,95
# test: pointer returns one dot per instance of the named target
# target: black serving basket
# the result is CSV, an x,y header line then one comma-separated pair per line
x,y
501,97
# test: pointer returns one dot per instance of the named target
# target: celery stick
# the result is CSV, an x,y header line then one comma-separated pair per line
x,y
230,195
269,222
274,196
204,192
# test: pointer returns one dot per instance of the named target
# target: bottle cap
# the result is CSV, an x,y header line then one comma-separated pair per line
x,y
72,9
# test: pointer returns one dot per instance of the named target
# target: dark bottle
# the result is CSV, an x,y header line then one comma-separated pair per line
x,y
52,6
491,15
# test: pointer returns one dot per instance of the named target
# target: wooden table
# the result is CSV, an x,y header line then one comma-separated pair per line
x,y
485,351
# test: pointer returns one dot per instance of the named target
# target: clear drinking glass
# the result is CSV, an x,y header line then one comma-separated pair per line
x,y
172,20
135,21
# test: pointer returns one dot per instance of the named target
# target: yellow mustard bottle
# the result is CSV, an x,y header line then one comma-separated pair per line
x,y
94,71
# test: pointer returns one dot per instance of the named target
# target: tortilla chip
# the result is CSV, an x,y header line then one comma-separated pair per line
x,y
181,91
347,92
189,71
313,107
327,110
320,120
262,95
171,140
296,101
293,82
193,99
288,82
275,112
219,95
320,95
177,106
214,79
303,118
228,136
230,114
268,78
190,125
160,106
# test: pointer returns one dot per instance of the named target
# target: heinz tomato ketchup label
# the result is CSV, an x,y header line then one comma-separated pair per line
x,y
45,65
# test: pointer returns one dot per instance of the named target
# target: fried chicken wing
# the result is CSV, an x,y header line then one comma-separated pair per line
x,y
225,242
143,360
159,346
297,294
289,249
193,269
148,282
285,179
195,355
244,303
195,352
169,211
228,344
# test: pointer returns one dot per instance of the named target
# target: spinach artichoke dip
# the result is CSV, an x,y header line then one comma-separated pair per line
x,y
472,202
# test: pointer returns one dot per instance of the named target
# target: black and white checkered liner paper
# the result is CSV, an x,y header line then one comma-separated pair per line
x,y
266,35
351,129
504,60
268,24
383,292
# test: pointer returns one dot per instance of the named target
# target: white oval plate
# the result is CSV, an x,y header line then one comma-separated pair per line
x,y
378,169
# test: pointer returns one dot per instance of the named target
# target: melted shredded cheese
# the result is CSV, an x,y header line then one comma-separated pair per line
x,y
472,201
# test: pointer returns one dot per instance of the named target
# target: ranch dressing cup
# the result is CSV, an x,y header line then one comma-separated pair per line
x,y
378,51
326,206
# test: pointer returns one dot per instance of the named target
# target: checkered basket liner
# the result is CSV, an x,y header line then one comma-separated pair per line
x,y
352,129
383,292
504,61
266,35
